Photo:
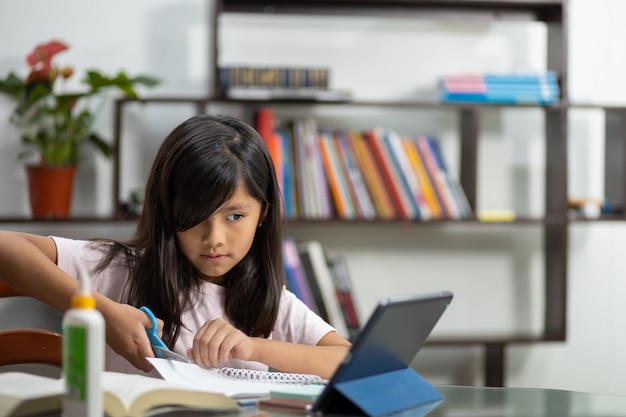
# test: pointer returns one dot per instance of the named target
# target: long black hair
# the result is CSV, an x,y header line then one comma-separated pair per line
x,y
197,168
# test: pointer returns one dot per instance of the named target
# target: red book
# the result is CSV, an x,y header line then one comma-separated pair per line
x,y
265,125
385,165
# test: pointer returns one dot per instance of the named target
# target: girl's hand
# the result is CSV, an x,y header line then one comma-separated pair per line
x,y
218,341
126,334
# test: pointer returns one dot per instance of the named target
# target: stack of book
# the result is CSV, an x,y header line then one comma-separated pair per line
x,y
501,88
322,283
372,174
278,83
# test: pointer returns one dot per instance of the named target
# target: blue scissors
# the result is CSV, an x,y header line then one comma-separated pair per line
x,y
159,348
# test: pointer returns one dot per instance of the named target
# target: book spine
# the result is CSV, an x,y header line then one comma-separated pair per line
x,y
456,190
389,138
336,180
343,286
289,184
427,189
273,77
265,125
311,277
504,78
302,182
325,282
373,179
544,89
408,174
362,198
437,178
385,165
317,193
502,97
296,278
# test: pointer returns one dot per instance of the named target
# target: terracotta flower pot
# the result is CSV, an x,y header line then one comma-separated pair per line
x,y
50,190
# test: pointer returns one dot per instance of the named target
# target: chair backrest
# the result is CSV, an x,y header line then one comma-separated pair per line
x,y
25,346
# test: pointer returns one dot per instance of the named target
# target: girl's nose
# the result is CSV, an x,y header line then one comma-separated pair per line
x,y
213,234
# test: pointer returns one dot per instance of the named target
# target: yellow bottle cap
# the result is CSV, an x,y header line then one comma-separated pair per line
x,y
83,301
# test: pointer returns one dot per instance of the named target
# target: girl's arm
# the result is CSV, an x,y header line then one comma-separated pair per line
x,y
28,264
218,341
322,359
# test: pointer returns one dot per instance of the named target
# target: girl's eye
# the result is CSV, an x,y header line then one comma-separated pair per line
x,y
235,217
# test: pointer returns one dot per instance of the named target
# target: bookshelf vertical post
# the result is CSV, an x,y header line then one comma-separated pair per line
x,y
556,224
615,160
470,126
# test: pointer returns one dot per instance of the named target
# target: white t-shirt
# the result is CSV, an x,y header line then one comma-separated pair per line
x,y
295,323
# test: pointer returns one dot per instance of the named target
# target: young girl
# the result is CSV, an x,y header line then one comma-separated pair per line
x,y
206,258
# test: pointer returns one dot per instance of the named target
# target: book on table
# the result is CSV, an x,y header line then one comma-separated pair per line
x,y
125,395
185,386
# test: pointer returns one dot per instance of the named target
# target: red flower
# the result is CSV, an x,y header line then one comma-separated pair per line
x,y
44,52
40,61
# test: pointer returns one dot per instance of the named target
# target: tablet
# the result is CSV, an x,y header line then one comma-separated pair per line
x,y
389,341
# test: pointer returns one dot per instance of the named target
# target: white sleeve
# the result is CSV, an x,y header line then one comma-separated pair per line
x,y
296,323
70,253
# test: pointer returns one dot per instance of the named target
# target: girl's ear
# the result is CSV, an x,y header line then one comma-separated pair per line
x,y
262,216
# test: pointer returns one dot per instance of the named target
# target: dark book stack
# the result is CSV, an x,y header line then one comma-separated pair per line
x,y
278,83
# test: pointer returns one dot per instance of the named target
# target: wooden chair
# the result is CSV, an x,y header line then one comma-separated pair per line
x,y
26,346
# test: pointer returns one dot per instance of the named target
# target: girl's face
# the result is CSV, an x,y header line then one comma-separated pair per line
x,y
217,244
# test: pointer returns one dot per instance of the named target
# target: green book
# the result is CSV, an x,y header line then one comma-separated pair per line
x,y
308,392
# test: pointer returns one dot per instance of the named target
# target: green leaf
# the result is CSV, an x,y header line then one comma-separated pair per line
x,y
99,143
12,86
145,80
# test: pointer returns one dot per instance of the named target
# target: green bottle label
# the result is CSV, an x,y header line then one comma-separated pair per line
x,y
75,362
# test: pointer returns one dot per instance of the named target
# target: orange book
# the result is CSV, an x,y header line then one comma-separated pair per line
x,y
265,125
373,179
336,180
437,178
426,186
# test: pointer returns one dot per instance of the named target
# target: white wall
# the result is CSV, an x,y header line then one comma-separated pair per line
x,y
496,273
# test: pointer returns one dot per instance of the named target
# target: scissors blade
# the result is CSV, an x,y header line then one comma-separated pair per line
x,y
168,354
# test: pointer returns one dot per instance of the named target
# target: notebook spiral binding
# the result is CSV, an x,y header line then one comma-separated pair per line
x,y
253,375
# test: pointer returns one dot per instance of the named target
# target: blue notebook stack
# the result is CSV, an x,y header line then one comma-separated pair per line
x,y
501,88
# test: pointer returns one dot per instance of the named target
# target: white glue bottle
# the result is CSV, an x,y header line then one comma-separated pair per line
x,y
83,354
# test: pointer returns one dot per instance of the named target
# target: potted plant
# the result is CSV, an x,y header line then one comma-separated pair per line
x,y
55,124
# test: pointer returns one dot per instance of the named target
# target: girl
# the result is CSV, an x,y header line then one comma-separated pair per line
x,y
206,258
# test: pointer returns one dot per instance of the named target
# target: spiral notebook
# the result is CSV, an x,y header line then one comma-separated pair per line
x,y
272,377
242,385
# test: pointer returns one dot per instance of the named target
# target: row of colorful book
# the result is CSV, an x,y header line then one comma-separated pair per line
x,y
375,174
501,88
323,283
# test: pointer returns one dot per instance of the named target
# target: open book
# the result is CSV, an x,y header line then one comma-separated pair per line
x,y
125,395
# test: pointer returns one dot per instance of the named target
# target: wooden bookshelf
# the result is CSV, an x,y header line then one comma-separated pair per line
x,y
554,13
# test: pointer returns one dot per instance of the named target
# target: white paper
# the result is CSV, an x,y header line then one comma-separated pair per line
x,y
195,376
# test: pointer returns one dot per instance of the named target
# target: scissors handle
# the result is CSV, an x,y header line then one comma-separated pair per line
x,y
152,333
